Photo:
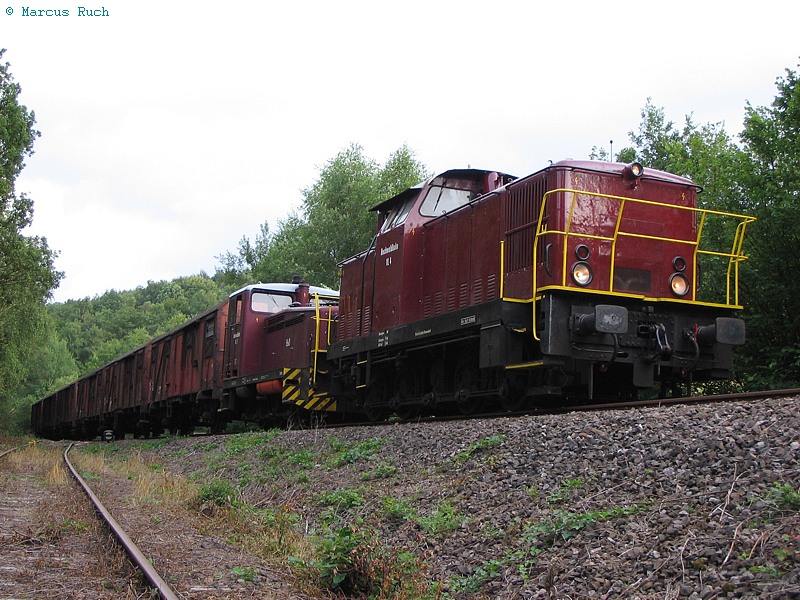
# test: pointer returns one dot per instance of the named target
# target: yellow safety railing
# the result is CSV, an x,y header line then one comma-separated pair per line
x,y
734,256
318,320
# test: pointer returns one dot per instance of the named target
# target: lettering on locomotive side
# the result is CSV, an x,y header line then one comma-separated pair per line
x,y
390,248
383,339
468,320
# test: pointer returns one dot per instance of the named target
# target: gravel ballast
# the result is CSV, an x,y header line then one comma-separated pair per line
x,y
696,501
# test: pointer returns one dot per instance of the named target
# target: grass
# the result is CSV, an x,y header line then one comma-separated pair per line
x,y
244,442
783,496
352,560
482,445
346,453
444,519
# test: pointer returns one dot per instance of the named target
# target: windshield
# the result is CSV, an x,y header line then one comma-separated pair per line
x,y
266,302
442,200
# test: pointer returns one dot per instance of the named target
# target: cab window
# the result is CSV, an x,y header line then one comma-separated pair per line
x,y
266,302
397,216
442,200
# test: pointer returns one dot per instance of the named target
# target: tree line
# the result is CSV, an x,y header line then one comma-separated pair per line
x,y
44,346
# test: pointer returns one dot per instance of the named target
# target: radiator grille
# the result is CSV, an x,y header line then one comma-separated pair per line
x,y
522,211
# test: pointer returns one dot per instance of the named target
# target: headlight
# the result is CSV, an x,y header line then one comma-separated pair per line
x,y
679,284
679,263
633,170
582,273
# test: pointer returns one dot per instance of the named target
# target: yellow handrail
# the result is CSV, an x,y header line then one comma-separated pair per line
x,y
318,320
734,256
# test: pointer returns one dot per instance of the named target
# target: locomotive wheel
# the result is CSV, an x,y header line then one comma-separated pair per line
x,y
469,406
463,379
511,398
409,381
375,414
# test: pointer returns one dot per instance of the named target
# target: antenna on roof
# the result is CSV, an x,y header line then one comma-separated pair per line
x,y
611,149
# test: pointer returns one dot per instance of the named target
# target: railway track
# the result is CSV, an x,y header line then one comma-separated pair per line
x,y
162,548
136,556
50,543
555,409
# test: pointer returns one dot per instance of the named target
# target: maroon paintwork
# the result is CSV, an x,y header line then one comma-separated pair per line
x,y
272,327
427,265
179,379
422,265
470,288
188,360
147,386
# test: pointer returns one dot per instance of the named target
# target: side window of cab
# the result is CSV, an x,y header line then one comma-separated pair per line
x,y
397,215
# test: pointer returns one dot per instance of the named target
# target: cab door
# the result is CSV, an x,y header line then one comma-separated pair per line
x,y
233,336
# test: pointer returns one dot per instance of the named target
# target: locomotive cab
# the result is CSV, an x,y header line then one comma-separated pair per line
x,y
276,340
385,284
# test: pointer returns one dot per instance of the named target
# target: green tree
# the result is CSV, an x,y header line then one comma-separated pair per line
x,y
706,154
50,367
27,274
772,141
333,223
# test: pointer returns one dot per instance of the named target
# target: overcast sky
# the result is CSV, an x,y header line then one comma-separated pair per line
x,y
172,129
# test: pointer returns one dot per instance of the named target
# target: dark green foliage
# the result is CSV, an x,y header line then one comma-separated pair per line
x,y
347,453
333,224
761,179
352,560
772,138
27,274
99,330
220,492
784,496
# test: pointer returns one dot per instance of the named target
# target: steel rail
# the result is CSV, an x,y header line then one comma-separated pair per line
x,y
9,451
656,402
136,555
563,409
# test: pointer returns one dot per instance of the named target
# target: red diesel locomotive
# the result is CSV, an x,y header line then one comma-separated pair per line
x,y
581,281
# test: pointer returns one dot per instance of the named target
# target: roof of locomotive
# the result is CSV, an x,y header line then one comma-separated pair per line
x,y
599,166
414,190
596,166
286,288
